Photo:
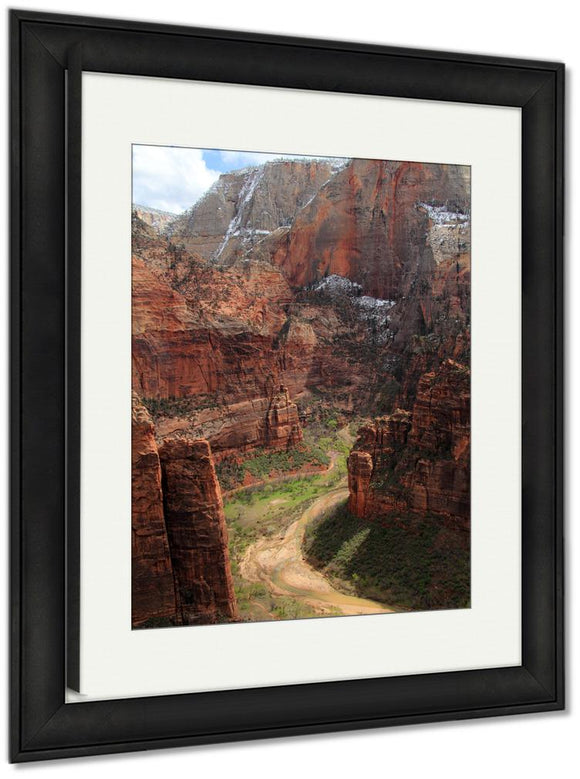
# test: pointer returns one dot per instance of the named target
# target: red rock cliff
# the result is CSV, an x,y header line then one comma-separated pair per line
x,y
153,591
369,224
181,571
197,532
419,461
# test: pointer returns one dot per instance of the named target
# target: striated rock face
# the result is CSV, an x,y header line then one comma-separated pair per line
x,y
282,423
373,223
419,461
168,353
234,428
252,319
153,591
197,532
360,471
232,338
246,206
181,571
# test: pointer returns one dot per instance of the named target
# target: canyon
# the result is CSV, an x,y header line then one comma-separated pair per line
x,y
294,299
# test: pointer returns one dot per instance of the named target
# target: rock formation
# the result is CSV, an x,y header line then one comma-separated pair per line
x,y
360,471
181,572
372,223
245,206
417,461
235,428
197,533
282,423
160,221
153,591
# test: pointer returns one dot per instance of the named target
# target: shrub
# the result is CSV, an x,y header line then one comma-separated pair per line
x,y
414,562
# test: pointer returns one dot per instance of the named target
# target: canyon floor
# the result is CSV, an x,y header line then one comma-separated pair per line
x,y
273,575
279,564
267,522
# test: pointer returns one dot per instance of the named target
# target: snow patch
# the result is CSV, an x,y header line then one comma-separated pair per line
x,y
449,232
440,215
244,201
374,304
337,285
372,311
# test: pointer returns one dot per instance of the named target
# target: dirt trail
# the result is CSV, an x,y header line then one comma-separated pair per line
x,y
278,563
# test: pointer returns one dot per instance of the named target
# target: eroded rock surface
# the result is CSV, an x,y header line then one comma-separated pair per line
x,y
246,206
181,572
417,461
153,591
197,533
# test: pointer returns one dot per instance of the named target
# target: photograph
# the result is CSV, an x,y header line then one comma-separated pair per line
x,y
300,386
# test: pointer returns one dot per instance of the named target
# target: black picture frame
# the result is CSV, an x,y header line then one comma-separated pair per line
x,y
48,54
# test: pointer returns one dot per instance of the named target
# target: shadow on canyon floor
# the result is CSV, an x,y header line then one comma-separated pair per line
x,y
415,563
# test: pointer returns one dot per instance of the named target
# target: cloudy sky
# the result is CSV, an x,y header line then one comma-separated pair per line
x,y
172,178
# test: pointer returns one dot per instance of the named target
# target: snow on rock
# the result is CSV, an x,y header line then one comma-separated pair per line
x,y
442,216
335,285
246,194
373,311
367,303
449,234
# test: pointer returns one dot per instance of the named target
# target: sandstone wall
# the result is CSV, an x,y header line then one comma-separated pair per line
x,y
181,571
153,591
417,461
244,207
197,533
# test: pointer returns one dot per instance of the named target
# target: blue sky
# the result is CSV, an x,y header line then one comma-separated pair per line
x,y
172,178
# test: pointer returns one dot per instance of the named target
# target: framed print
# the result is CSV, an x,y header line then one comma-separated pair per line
x,y
287,390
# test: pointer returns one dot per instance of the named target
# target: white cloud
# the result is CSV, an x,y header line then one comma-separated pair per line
x,y
169,178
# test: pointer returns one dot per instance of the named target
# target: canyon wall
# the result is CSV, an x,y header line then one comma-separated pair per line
x,y
235,428
159,220
181,571
371,223
398,232
245,206
197,533
417,461
153,590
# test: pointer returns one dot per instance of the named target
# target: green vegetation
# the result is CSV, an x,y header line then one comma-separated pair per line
x,y
179,407
260,512
265,464
268,508
230,473
415,563
289,608
323,434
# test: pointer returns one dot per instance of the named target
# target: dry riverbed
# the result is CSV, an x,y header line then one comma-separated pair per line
x,y
278,563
